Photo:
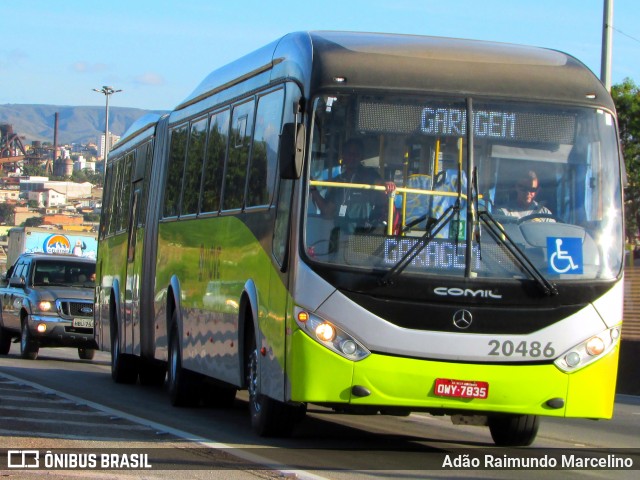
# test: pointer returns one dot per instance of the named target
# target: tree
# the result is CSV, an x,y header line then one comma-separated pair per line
x,y
31,170
87,175
91,217
33,222
627,99
6,213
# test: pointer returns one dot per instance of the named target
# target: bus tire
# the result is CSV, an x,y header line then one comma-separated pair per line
x,y
124,368
269,417
28,347
151,374
182,384
514,430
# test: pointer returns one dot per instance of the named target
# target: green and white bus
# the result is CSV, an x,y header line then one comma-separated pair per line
x,y
217,264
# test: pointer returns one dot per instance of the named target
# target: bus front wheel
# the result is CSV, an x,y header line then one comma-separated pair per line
x,y
513,430
269,417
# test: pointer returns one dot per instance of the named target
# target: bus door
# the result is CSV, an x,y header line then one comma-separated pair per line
x,y
131,318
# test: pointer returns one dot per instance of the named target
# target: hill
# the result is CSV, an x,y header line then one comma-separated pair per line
x,y
75,124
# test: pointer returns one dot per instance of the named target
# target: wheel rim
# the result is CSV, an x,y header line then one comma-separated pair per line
x,y
173,364
24,339
253,381
115,352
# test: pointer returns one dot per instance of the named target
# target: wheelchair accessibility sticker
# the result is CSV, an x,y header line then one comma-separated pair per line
x,y
564,255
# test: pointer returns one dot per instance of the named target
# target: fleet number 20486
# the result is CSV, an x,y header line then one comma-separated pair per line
x,y
522,349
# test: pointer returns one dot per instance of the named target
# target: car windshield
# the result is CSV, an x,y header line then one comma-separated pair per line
x,y
541,195
62,273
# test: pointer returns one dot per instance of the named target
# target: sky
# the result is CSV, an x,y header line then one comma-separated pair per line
x,y
158,51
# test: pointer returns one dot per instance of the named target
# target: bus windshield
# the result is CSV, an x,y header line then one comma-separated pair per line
x,y
391,179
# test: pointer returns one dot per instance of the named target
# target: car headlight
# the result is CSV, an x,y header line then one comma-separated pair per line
x,y
588,351
44,306
331,336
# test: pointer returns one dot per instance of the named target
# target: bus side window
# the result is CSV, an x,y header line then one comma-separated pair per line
x,y
124,191
193,169
238,158
214,161
264,161
177,151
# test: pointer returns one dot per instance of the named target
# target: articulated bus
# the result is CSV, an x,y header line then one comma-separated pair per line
x,y
219,270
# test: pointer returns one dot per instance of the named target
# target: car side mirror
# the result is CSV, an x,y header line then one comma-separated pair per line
x,y
291,150
18,282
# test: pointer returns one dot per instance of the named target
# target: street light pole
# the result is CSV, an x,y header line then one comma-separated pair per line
x,y
107,91
607,36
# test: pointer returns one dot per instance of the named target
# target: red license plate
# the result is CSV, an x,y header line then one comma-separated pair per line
x,y
446,387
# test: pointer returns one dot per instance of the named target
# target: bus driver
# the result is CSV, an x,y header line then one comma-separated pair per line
x,y
524,204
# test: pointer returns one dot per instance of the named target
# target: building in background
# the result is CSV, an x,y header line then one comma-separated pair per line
x,y
101,145
48,197
71,190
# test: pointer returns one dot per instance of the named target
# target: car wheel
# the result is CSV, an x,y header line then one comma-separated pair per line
x,y
28,347
86,353
5,342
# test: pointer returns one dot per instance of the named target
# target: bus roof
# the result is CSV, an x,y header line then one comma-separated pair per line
x,y
140,129
415,63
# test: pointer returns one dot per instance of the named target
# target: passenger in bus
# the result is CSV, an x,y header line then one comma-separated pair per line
x,y
523,203
359,210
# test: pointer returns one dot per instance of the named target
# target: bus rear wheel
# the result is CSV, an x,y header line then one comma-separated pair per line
x,y
183,385
269,417
151,374
514,430
124,368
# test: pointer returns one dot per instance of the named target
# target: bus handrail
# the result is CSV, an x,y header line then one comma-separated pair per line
x,y
392,196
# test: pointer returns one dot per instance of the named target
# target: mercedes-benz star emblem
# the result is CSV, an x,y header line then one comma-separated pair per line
x,y
462,319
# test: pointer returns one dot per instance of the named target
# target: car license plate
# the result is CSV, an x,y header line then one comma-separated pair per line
x,y
446,387
83,322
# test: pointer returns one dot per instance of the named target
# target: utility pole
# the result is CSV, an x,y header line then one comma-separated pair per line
x,y
607,36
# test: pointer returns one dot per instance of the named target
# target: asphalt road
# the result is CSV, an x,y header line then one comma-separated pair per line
x,y
67,405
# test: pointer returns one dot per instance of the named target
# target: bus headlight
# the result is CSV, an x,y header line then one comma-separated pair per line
x,y
329,335
325,332
588,351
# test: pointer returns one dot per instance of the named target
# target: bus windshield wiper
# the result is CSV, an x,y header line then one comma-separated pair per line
x,y
501,236
433,227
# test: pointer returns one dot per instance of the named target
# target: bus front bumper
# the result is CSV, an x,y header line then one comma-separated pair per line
x,y
320,376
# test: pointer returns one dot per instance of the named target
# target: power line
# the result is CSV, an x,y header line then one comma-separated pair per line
x,y
625,34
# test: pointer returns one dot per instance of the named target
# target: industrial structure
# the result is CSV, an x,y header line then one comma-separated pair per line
x,y
13,153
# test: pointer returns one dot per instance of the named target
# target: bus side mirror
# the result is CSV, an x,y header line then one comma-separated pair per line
x,y
291,150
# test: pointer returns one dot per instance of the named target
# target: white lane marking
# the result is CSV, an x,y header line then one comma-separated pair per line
x,y
206,442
